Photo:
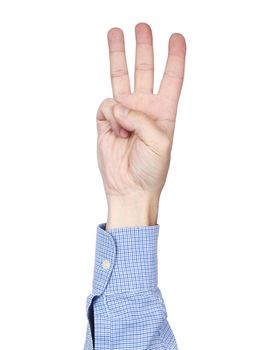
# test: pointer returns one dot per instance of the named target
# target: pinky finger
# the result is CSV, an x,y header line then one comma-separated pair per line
x,y
106,120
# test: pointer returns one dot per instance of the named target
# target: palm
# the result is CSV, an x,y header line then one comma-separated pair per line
x,y
128,162
160,109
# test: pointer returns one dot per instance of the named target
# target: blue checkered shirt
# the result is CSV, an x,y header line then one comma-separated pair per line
x,y
126,310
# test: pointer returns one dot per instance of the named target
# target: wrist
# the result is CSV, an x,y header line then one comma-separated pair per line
x,y
137,209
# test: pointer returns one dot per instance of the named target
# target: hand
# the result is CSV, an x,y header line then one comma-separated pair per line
x,y
135,130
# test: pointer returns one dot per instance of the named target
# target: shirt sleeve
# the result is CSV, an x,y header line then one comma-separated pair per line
x,y
126,309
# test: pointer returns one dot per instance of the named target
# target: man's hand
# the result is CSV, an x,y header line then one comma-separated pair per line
x,y
135,130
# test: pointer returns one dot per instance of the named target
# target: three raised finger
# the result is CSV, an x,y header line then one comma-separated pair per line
x,y
173,76
120,80
144,60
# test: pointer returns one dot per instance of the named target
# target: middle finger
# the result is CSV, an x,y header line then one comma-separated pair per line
x,y
144,62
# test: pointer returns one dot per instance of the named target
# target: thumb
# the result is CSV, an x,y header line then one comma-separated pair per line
x,y
141,124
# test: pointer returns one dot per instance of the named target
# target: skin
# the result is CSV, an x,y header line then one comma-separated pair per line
x,y
135,129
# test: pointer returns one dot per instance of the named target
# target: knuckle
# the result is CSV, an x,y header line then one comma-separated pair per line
x,y
104,108
144,66
105,104
118,73
174,74
143,90
107,101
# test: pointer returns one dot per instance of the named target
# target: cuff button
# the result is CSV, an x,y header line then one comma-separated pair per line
x,y
106,264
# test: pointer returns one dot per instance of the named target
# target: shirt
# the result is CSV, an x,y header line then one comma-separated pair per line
x,y
126,310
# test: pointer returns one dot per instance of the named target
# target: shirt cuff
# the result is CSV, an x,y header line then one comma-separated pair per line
x,y
125,259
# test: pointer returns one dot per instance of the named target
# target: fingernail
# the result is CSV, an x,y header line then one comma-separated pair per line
x,y
121,111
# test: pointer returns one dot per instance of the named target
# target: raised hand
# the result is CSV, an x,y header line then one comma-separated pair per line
x,y
135,129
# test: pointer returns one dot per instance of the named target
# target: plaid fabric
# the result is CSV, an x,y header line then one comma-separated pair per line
x,y
126,310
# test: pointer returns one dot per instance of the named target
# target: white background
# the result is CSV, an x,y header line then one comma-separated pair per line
x,y
54,72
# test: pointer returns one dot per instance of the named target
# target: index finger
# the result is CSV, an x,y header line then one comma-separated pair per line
x,y
120,80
